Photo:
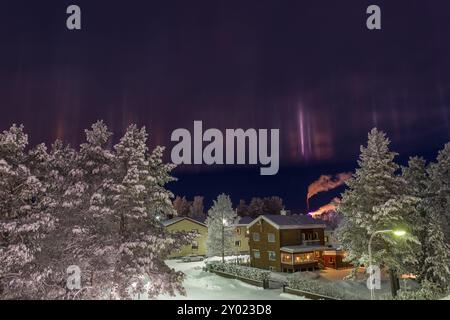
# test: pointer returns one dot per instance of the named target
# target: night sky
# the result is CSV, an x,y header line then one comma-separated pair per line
x,y
308,68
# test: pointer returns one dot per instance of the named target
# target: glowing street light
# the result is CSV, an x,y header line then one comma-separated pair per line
x,y
398,233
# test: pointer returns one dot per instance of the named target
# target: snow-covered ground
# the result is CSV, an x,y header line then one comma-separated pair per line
x,y
201,285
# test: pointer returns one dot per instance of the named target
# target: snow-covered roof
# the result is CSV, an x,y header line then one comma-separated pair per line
x,y
177,219
243,221
290,222
301,249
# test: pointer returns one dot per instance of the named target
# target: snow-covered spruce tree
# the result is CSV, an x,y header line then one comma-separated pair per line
x,y
440,187
416,184
433,257
436,266
83,179
220,232
24,218
140,201
371,203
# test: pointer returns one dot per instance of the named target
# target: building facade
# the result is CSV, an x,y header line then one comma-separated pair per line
x,y
286,243
198,245
241,235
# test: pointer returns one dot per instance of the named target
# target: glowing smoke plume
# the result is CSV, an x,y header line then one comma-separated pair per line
x,y
326,208
326,183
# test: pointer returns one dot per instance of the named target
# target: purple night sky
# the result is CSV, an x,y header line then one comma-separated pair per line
x,y
309,68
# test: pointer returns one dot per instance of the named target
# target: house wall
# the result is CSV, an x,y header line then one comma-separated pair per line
x,y
293,237
283,237
188,225
264,228
240,234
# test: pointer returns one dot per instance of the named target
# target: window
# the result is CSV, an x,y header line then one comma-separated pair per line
x,y
272,255
255,236
194,245
303,237
304,257
271,237
238,231
331,260
271,268
309,236
237,243
286,258
326,239
256,254
316,236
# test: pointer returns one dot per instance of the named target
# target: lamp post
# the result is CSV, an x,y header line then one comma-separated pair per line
x,y
398,233
224,224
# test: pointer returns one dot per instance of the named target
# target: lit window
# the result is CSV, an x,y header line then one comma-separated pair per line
x,y
286,258
255,236
271,237
272,255
256,254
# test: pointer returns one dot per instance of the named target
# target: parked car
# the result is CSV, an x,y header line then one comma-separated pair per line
x,y
192,258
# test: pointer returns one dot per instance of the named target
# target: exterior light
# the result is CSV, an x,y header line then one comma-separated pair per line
x,y
399,233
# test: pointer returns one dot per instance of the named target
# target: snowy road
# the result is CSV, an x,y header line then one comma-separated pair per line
x,y
201,285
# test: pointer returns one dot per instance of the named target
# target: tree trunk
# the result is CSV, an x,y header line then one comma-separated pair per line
x,y
395,282
223,243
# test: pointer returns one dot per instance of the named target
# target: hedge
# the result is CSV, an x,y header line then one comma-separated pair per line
x,y
239,271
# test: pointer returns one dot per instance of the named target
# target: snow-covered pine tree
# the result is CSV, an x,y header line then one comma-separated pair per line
x,y
416,184
436,264
83,229
440,187
436,256
372,202
373,183
140,200
24,219
220,231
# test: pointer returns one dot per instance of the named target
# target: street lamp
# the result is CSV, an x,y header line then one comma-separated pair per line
x,y
398,233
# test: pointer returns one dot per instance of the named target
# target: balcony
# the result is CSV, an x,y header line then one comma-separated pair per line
x,y
311,242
